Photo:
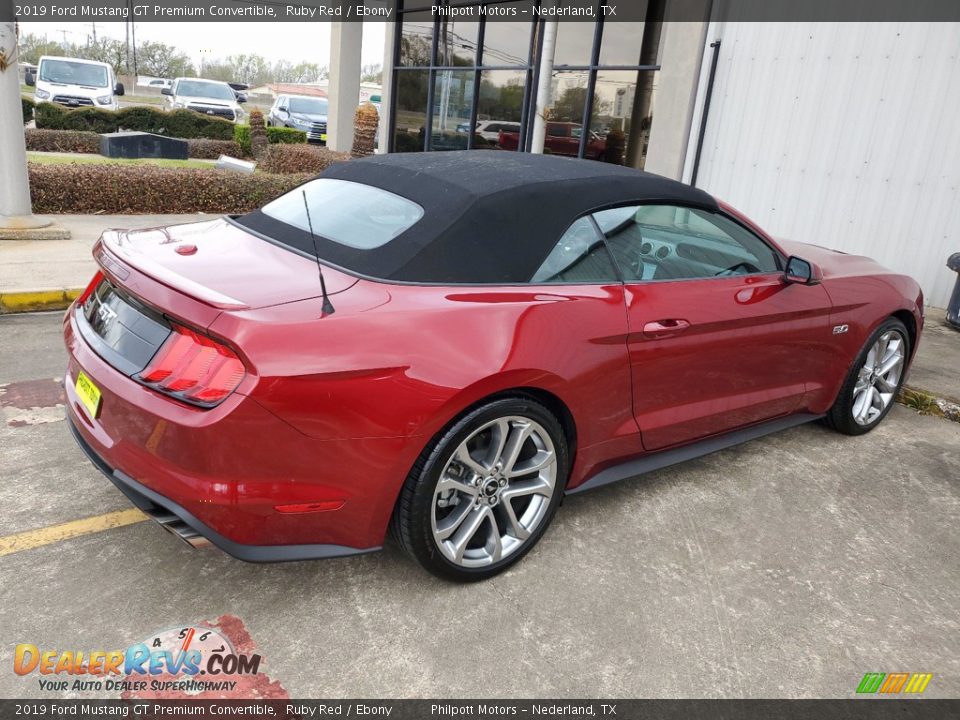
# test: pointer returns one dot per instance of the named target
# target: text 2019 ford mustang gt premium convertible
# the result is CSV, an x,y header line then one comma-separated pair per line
x,y
446,343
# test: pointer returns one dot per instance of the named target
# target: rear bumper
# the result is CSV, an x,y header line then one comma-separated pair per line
x,y
233,474
185,525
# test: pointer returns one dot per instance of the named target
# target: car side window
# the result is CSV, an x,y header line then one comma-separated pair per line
x,y
667,242
579,257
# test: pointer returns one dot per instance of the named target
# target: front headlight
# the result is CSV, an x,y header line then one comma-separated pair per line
x,y
301,122
41,94
105,99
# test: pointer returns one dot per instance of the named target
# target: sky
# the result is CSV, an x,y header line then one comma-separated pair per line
x,y
293,41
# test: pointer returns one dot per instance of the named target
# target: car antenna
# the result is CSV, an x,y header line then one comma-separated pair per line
x,y
327,308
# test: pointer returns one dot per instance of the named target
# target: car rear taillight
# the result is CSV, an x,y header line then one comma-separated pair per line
x,y
194,368
96,280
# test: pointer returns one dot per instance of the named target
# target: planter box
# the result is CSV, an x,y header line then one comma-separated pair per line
x,y
143,145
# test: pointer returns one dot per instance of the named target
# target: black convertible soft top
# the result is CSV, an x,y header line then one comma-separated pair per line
x,y
489,216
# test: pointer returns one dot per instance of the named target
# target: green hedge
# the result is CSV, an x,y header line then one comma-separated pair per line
x,y
179,123
84,188
27,104
285,136
293,159
81,141
72,141
275,136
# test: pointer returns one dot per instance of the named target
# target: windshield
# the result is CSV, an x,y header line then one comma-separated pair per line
x,y
352,214
205,89
69,72
309,106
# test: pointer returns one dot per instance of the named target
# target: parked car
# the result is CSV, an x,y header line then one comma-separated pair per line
x,y
74,83
489,333
209,97
490,129
301,112
563,138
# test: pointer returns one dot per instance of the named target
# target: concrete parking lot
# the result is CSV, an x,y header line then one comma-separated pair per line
x,y
786,567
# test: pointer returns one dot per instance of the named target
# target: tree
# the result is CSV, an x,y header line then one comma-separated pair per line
x,y
106,50
164,61
284,71
33,47
250,69
372,73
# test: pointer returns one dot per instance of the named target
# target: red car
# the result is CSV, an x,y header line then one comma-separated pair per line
x,y
447,343
562,138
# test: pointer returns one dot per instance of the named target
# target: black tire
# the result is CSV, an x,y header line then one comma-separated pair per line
x,y
840,416
412,520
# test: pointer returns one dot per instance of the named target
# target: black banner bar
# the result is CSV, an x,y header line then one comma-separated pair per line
x,y
465,10
853,709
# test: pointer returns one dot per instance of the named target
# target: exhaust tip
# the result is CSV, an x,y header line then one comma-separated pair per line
x,y
180,529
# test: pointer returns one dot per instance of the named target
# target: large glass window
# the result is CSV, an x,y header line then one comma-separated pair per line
x,y
410,110
596,69
665,242
452,74
452,109
416,44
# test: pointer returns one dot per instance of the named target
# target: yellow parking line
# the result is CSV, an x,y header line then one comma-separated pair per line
x,y
65,531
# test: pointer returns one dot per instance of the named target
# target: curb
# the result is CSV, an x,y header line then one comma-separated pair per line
x,y
32,300
926,403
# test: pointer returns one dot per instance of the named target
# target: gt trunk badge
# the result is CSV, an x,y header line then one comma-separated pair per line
x,y
840,329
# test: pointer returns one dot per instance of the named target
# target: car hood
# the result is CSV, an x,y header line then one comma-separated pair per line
x,y
312,117
210,102
222,265
85,91
834,263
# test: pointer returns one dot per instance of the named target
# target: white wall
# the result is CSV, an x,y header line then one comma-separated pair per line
x,y
845,135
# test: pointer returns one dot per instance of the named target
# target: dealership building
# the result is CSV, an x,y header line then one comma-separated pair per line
x,y
840,134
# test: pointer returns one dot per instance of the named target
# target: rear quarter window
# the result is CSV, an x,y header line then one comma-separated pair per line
x,y
352,214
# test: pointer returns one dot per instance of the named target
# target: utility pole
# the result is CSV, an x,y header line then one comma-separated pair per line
x,y
17,220
545,86
133,35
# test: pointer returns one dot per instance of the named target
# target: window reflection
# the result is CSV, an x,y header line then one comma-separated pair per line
x,y
573,44
617,95
615,132
411,105
416,43
507,42
620,44
457,43
453,103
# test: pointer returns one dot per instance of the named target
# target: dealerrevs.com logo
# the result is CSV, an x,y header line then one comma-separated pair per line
x,y
894,683
191,659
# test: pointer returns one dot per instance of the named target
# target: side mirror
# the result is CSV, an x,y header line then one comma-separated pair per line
x,y
118,90
167,91
281,110
29,79
241,98
802,272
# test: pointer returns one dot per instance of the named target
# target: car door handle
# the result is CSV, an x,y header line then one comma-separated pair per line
x,y
664,328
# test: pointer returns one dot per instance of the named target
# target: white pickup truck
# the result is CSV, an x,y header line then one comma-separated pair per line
x,y
209,97
73,82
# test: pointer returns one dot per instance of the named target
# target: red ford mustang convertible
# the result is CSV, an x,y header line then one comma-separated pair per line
x,y
445,344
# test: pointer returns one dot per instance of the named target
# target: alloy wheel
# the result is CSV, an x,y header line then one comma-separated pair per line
x,y
879,378
494,491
